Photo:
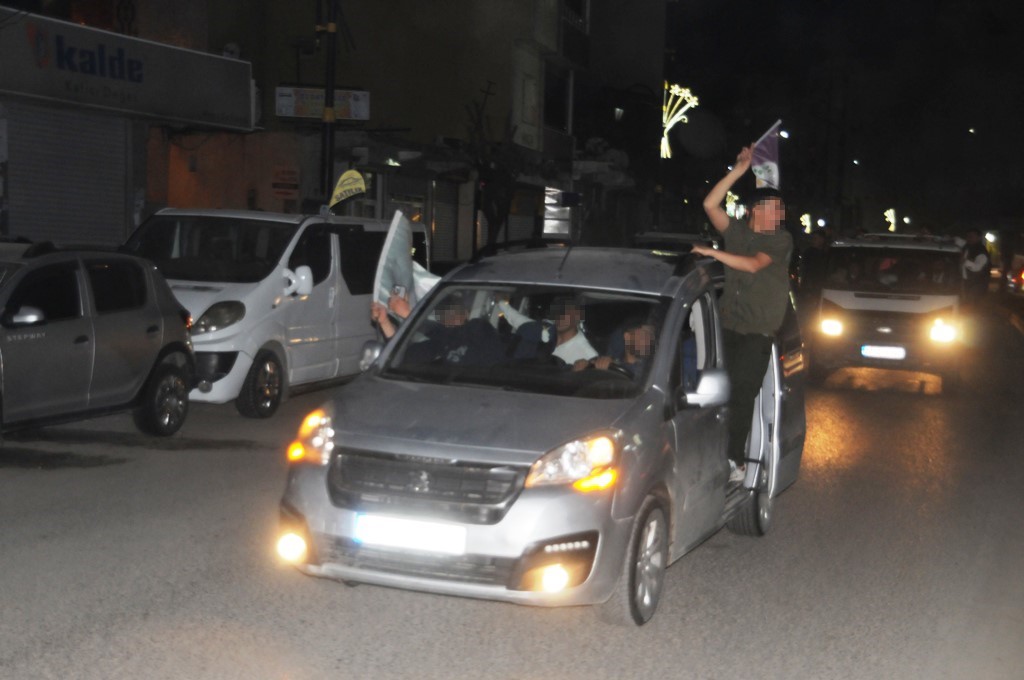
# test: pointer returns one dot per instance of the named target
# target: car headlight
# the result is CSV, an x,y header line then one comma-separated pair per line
x,y
220,315
315,441
942,331
833,327
587,464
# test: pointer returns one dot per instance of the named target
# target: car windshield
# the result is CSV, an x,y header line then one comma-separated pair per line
x,y
531,338
894,270
202,248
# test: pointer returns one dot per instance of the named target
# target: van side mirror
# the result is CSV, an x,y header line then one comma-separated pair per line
x,y
371,350
298,282
712,389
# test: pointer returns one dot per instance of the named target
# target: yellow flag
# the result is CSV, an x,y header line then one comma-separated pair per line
x,y
349,184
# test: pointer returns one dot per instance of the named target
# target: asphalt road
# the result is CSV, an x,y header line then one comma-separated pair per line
x,y
897,554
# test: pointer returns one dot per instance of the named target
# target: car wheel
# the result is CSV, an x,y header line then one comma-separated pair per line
x,y
754,517
639,588
263,387
164,403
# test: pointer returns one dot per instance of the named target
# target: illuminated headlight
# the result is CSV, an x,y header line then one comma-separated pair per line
x,y
942,331
220,315
833,327
291,547
587,464
315,442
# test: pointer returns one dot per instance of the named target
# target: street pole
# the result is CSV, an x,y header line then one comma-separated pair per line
x,y
327,134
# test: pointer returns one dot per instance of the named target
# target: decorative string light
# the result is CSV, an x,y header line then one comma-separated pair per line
x,y
676,101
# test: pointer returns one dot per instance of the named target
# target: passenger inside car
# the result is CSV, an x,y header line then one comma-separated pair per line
x,y
560,334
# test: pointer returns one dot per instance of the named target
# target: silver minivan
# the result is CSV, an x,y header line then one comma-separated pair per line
x,y
469,460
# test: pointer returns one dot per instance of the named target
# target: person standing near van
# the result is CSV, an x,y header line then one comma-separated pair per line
x,y
976,266
756,259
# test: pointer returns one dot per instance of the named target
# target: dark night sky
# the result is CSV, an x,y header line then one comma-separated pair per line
x,y
897,85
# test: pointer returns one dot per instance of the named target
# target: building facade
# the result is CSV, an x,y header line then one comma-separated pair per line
x,y
119,107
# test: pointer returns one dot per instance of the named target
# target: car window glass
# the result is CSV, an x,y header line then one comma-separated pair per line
x,y
116,286
314,251
694,351
360,251
895,270
52,289
203,248
509,337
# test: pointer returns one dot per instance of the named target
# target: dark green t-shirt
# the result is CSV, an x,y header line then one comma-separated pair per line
x,y
756,303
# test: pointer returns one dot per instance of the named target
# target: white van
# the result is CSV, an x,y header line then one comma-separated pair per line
x,y
890,301
278,300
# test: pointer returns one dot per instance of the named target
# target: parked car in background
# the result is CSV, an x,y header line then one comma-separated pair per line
x,y
279,300
889,301
85,333
468,460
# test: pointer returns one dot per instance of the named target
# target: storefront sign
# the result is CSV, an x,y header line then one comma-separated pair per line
x,y
59,61
308,102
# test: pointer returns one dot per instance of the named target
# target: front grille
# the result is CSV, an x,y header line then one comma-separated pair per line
x,y
428,487
902,327
463,568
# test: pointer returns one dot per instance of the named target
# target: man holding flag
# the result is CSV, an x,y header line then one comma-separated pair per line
x,y
756,259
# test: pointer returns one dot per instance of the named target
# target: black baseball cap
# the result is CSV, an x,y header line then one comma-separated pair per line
x,y
763,194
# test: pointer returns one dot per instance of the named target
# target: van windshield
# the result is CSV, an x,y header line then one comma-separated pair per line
x,y
894,270
538,339
204,248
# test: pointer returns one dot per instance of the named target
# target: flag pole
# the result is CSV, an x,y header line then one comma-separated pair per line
x,y
770,130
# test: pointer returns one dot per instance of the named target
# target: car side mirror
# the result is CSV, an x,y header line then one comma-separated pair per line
x,y
371,350
298,282
712,389
25,316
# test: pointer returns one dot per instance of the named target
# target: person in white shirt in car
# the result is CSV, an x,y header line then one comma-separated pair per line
x,y
571,346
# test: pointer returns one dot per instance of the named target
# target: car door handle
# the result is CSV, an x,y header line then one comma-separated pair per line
x,y
152,329
81,339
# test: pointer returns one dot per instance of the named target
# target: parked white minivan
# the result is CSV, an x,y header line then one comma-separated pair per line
x,y
279,300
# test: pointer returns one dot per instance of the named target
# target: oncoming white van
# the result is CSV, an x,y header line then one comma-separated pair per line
x,y
890,301
279,300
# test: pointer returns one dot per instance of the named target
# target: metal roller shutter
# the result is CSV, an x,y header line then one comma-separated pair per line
x,y
67,175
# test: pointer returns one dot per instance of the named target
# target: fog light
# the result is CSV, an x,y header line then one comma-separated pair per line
x,y
557,564
554,578
291,547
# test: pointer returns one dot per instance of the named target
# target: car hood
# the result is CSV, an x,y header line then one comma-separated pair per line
x,y
464,423
198,296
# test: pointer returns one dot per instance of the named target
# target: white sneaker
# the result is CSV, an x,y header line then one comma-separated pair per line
x,y
736,473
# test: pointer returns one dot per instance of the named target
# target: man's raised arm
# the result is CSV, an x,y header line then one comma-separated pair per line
x,y
713,201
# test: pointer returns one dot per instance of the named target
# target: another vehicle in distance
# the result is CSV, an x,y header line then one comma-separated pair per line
x,y
892,302
279,300
87,333
1015,276
468,460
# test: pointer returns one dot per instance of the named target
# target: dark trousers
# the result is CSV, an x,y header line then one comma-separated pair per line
x,y
746,360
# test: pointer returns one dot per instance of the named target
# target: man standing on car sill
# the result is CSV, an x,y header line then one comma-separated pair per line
x,y
756,259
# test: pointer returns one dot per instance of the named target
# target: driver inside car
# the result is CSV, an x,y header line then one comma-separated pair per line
x,y
638,334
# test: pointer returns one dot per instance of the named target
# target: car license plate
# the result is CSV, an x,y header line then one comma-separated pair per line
x,y
410,534
883,352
